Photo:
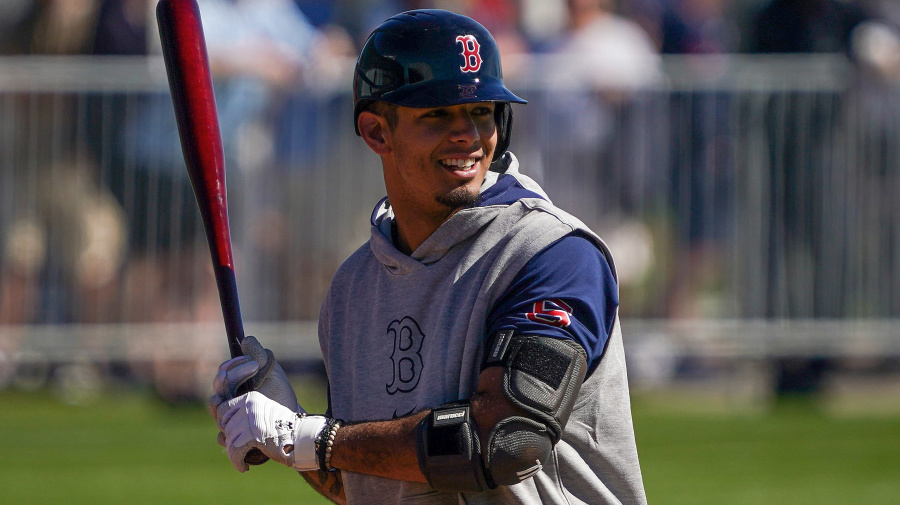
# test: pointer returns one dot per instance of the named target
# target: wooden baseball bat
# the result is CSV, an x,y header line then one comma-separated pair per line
x,y
190,82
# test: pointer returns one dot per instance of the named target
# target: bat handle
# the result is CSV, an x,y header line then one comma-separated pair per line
x,y
234,329
255,457
231,308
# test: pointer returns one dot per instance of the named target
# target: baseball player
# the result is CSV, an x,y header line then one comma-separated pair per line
x,y
472,346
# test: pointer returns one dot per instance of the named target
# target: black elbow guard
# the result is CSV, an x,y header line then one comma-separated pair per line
x,y
542,375
449,451
517,449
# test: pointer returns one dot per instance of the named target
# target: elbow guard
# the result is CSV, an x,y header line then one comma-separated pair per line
x,y
542,376
517,449
449,451
450,455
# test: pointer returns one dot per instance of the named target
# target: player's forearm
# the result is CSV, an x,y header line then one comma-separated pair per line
x,y
385,449
328,484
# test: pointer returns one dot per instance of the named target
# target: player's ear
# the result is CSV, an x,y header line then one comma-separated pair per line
x,y
374,130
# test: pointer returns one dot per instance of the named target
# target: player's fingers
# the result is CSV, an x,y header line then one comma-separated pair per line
x,y
220,438
240,374
237,458
252,348
213,405
233,362
238,434
221,380
225,412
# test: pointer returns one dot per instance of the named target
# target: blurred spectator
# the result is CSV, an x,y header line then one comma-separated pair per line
x,y
596,74
801,139
122,27
51,27
605,50
321,13
697,27
542,20
271,66
502,18
876,47
373,12
64,250
702,179
805,26
15,32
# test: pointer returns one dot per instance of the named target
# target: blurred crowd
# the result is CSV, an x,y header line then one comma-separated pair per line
x,y
668,26
605,52
104,230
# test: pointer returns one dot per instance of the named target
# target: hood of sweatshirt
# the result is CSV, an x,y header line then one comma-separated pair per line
x,y
503,186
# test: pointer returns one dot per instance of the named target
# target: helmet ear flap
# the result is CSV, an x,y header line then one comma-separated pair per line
x,y
503,117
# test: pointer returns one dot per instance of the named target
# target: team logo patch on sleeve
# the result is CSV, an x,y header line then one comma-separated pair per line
x,y
554,312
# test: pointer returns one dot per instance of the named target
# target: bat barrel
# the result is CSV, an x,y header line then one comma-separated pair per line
x,y
190,82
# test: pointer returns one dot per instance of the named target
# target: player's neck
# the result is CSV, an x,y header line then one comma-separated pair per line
x,y
408,237
408,232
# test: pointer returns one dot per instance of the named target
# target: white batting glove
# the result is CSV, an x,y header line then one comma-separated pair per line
x,y
253,421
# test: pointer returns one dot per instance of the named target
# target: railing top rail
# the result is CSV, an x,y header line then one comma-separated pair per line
x,y
726,72
82,74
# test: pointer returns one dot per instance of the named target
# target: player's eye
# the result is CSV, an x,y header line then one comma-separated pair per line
x,y
435,113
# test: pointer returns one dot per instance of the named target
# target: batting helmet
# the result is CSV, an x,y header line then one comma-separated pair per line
x,y
433,58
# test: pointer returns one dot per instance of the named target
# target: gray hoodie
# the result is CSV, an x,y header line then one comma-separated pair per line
x,y
401,334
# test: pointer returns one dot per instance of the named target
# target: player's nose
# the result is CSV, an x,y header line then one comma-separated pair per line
x,y
463,127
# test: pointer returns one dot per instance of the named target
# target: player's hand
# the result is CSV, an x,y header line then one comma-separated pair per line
x,y
253,421
258,366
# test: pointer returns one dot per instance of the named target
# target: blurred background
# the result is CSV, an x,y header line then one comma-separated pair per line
x,y
740,157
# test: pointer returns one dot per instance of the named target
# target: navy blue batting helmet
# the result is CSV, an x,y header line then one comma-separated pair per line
x,y
433,58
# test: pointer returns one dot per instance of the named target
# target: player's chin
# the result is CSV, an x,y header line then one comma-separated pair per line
x,y
459,198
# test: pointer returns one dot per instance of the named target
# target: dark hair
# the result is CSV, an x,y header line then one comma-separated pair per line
x,y
386,110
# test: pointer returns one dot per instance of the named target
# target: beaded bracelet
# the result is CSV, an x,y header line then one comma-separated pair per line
x,y
325,442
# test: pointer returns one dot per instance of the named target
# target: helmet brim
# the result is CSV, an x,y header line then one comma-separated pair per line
x,y
445,93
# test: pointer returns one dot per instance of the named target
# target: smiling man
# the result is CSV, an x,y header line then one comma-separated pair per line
x,y
434,161
472,345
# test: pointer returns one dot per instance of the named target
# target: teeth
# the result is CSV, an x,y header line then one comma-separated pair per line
x,y
459,162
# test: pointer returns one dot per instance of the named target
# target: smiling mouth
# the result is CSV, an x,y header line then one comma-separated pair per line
x,y
460,163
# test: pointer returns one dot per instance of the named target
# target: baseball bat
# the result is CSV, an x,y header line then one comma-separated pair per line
x,y
190,82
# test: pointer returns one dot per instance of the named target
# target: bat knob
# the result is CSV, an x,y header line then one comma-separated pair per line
x,y
255,457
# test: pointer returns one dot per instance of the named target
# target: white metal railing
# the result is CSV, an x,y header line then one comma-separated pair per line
x,y
736,188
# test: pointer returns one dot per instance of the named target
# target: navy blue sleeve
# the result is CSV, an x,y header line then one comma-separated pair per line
x,y
565,291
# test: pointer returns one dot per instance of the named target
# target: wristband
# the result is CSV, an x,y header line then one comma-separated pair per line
x,y
325,442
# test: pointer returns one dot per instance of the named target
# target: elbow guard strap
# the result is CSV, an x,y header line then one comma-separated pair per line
x,y
449,451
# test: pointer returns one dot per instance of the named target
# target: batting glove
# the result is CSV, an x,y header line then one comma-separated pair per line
x,y
253,421
258,366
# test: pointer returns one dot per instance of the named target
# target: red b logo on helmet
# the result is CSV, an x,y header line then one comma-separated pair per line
x,y
471,53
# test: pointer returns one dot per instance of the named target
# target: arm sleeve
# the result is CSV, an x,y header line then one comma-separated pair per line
x,y
565,291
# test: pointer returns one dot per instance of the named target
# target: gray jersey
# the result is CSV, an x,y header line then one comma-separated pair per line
x,y
401,334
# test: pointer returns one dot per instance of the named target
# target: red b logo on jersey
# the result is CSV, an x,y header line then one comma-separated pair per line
x,y
471,53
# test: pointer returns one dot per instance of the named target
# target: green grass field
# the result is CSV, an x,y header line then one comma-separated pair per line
x,y
130,448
